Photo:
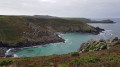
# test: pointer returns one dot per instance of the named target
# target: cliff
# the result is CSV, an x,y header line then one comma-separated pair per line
x,y
25,31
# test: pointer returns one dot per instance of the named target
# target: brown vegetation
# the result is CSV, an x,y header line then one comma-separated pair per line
x,y
103,58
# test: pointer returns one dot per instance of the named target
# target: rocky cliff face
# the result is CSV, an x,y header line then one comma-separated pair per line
x,y
98,44
26,31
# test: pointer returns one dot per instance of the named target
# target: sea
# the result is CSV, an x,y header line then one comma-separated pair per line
x,y
73,41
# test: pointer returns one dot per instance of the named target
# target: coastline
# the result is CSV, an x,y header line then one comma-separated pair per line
x,y
58,39
14,50
10,51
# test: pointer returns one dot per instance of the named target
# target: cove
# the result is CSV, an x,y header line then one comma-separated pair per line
x,y
72,43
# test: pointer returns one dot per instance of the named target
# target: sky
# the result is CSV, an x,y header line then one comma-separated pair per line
x,y
62,8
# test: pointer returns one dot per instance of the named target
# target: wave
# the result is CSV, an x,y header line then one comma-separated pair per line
x,y
66,40
15,55
8,52
106,34
12,51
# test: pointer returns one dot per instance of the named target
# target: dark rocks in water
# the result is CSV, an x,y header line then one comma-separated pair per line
x,y
3,51
96,31
32,43
4,47
98,44
7,56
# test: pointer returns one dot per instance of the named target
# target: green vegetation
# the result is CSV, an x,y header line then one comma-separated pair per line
x,y
63,65
90,21
5,62
78,61
96,46
9,33
104,58
111,58
3,17
75,54
15,29
79,19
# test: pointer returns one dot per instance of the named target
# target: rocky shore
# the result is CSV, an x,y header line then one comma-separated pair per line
x,y
25,31
98,44
4,47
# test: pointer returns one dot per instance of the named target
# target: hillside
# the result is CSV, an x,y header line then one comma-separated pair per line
x,y
85,20
101,58
24,31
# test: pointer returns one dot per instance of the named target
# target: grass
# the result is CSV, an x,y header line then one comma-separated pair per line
x,y
103,58
3,17
15,29
75,54
8,33
5,62
111,58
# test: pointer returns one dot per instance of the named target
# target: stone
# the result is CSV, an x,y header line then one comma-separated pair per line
x,y
113,40
98,44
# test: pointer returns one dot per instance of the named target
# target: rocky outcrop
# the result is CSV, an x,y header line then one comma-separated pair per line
x,y
32,43
98,44
26,31
3,51
113,40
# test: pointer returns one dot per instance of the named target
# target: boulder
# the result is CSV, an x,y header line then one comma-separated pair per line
x,y
98,44
113,40
92,45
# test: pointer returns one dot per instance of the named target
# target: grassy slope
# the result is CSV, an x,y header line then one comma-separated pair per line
x,y
80,19
12,28
90,21
103,58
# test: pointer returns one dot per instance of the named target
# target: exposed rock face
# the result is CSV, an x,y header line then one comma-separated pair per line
x,y
3,51
98,44
113,40
32,43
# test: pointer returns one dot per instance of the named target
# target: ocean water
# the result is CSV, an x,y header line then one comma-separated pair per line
x,y
72,43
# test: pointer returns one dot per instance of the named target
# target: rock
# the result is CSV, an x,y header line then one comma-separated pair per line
x,y
3,51
8,56
98,44
113,40
92,45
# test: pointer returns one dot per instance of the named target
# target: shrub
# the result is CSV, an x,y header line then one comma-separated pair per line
x,y
111,58
63,65
83,60
75,54
32,65
5,62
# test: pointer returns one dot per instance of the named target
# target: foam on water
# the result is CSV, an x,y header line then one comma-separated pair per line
x,y
72,42
15,55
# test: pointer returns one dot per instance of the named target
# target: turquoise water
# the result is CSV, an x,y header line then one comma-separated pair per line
x,y
72,43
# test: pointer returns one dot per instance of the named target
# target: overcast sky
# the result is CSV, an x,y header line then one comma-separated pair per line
x,y
63,8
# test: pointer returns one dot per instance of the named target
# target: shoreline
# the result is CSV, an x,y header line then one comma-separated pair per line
x,y
18,49
34,44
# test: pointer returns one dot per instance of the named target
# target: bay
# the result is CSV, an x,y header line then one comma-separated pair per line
x,y
73,41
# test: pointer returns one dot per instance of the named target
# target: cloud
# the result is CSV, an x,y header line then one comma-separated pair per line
x,y
50,1
71,8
